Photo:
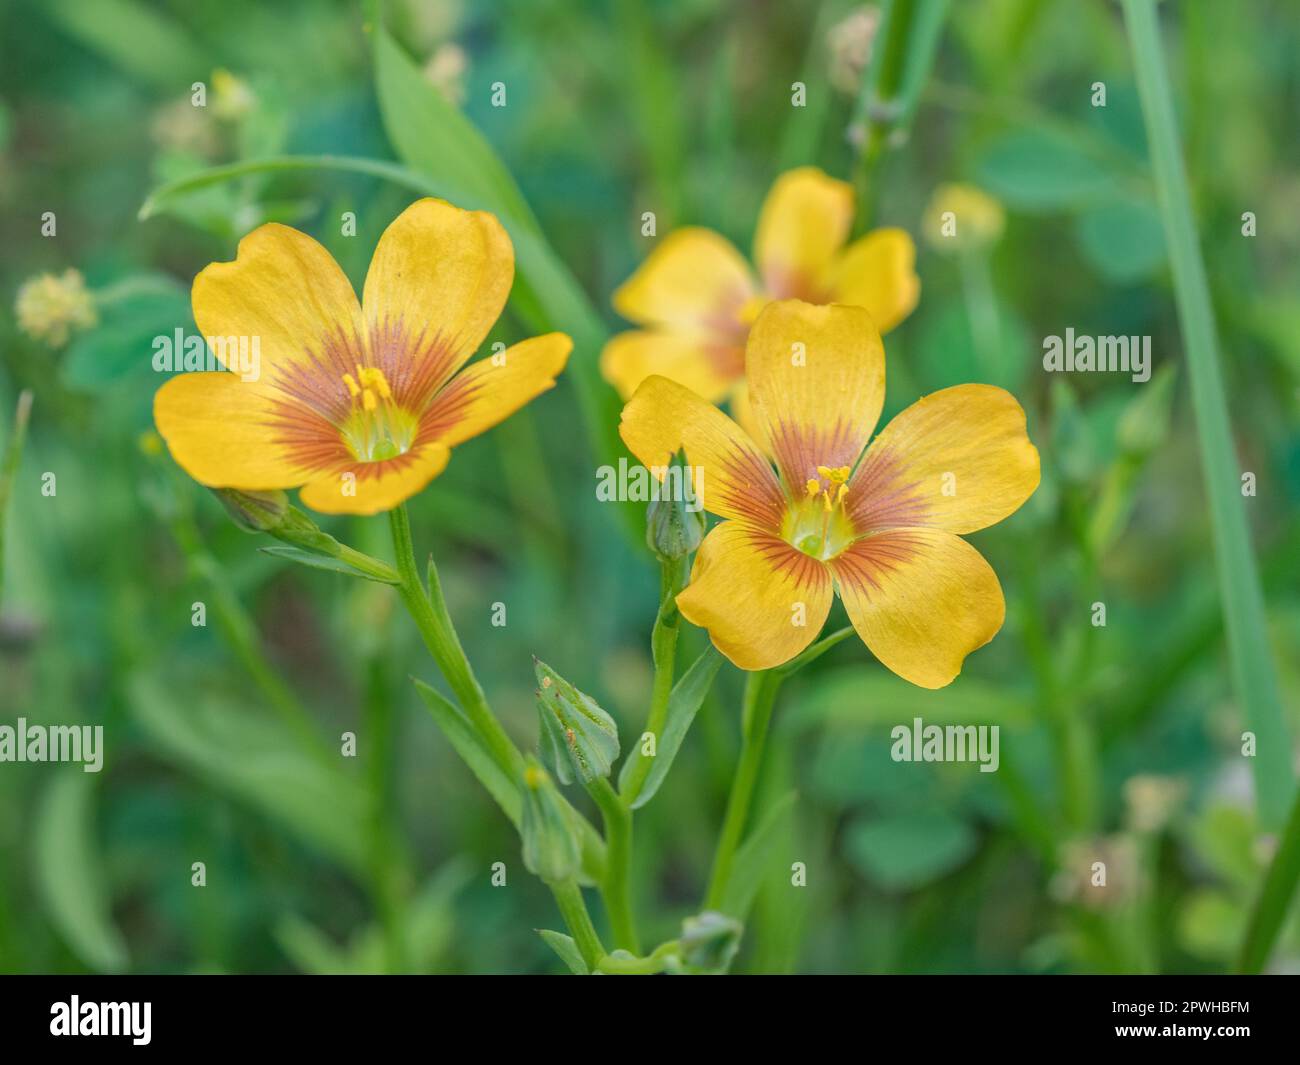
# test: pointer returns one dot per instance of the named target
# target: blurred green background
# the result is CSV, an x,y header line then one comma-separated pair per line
x,y
1119,744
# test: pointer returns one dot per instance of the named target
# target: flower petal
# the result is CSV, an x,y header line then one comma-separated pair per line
x,y
761,600
816,382
804,222
878,272
438,281
219,430
372,487
693,279
921,599
958,459
707,367
494,388
733,475
286,290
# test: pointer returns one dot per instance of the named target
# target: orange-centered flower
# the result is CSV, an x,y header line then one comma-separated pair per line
x,y
878,524
357,403
696,296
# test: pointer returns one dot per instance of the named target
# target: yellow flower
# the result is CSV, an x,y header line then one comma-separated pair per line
x,y
52,308
358,403
879,524
696,296
959,217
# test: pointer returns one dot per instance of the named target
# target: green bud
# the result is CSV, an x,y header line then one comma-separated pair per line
x,y
577,737
254,511
675,522
1144,424
710,941
551,848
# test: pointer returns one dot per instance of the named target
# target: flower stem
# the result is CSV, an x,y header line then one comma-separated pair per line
x,y
1270,910
760,696
568,896
654,962
1254,675
616,888
663,648
430,615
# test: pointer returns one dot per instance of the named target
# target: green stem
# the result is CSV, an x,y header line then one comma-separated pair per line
x,y
663,648
760,696
1270,909
616,888
430,615
387,860
568,896
1243,601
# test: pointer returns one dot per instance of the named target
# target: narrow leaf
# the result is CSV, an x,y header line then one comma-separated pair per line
x,y
334,565
567,949
683,704
755,856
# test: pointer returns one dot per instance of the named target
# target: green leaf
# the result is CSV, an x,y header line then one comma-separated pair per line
x,y
1123,239
139,38
683,704
254,759
567,949
465,741
755,857
905,851
863,695
1038,170
334,565
70,874
131,315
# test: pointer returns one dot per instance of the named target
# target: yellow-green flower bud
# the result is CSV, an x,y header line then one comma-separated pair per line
x,y
551,848
962,217
577,737
254,512
710,941
51,308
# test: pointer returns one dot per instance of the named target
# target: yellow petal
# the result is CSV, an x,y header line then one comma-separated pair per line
x,y
494,388
217,428
733,476
707,367
921,599
958,459
437,283
878,272
693,279
372,487
761,600
286,291
804,222
817,382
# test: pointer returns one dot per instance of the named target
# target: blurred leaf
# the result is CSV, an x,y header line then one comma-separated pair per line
x,y
948,351
863,695
310,949
141,39
132,313
566,948
683,704
908,850
253,758
334,565
1211,924
1038,170
70,873
755,857
1123,239
465,741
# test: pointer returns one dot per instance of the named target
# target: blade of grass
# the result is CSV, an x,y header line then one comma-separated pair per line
x,y
1254,674
9,468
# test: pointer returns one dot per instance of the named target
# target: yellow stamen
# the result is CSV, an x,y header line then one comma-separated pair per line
x,y
813,486
353,390
369,400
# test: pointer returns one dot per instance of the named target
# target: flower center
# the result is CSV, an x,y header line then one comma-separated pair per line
x,y
818,524
376,428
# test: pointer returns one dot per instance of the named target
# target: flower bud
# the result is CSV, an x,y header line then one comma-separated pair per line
x,y
51,308
962,217
710,941
577,737
675,521
254,511
551,848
